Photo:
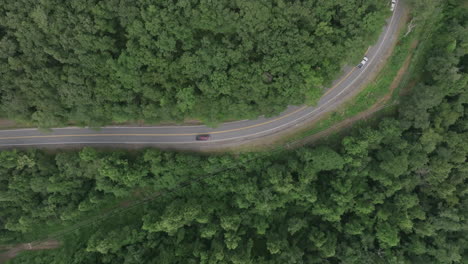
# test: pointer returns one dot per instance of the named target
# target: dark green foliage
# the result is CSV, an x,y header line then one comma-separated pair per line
x,y
36,187
93,62
396,193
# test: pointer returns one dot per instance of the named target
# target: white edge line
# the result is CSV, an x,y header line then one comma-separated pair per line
x,y
226,139
323,106
110,142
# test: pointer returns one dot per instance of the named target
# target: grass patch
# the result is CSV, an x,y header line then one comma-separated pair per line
x,y
77,238
370,94
57,226
382,94
379,88
334,139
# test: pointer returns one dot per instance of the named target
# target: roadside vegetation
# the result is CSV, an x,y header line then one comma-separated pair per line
x,y
96,62
404,65
395,193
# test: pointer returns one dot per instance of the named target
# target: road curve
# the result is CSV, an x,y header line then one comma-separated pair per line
x,y
238,132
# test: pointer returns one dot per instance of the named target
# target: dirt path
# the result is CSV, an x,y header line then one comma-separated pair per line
x,y
379,105
11,251
5,123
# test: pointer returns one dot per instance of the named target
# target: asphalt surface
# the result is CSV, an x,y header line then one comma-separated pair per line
x,y
239,132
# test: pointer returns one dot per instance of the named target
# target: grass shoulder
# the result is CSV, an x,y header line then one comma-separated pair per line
x,y
379,97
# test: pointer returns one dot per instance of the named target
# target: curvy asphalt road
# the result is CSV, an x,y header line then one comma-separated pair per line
x,y
239,132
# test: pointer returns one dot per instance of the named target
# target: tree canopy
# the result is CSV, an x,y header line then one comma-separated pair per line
x,y
92,62
393,193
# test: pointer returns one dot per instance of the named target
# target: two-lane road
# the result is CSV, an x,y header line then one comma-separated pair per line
x,y
239,131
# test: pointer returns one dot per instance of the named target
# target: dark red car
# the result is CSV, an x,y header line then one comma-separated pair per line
x,y
202,137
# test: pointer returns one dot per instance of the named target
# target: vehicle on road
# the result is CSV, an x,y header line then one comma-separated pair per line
x,y
203,137
363,62
182,137
392,5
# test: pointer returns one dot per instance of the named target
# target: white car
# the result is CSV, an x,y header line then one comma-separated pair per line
x,y
363,62
392,6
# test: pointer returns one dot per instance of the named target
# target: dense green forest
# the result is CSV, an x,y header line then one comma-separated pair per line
x,y
394,193
92,62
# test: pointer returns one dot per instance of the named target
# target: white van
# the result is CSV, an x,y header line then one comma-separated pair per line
x,y
363,62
